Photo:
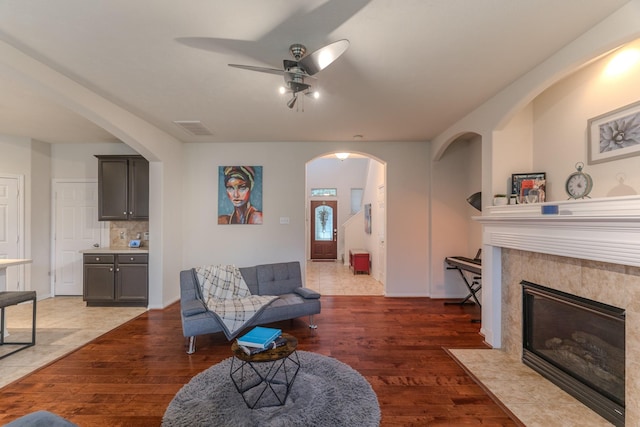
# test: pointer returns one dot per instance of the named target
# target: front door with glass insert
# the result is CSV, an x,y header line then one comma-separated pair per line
x,y
324,229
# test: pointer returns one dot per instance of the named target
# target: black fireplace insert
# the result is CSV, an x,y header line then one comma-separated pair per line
x,y
579,345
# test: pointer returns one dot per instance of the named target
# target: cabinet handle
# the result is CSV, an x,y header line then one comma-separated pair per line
x,y
111,269
117,269
132,258
97,258
124,213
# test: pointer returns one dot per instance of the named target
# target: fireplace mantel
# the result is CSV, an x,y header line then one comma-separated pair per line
x,y
605,230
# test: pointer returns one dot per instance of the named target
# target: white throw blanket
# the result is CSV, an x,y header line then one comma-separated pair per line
x,y
229,298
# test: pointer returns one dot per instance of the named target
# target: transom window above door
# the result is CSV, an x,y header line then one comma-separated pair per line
x,y
324,192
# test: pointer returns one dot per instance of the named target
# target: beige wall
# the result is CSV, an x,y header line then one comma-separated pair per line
x,y
492,116
375,242
206,242
560,126
31,160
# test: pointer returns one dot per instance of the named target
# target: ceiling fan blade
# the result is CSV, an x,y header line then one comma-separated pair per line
x,y
260,69
321,58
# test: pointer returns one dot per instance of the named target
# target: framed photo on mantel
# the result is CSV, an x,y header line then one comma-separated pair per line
x,y
521,183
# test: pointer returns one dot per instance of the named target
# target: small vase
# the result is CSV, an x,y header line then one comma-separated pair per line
x,y
500,201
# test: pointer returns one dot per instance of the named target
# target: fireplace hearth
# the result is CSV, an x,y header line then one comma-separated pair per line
x,y
579,345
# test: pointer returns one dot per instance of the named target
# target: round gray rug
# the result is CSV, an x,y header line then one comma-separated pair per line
x,y
326,392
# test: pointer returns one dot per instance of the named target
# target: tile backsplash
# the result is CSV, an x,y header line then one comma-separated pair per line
x,y
120,232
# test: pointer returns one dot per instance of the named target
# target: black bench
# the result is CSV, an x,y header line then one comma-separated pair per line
x,y
14,298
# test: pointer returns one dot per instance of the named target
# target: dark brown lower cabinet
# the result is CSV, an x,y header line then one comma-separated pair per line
x,y
116,279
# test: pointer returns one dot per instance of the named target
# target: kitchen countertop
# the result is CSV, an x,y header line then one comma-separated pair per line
x,y
115,251
9,262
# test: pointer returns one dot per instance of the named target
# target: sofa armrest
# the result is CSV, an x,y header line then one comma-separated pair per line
x,y
193,307
307,293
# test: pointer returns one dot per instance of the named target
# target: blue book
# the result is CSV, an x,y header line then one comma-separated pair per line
x,y
259,337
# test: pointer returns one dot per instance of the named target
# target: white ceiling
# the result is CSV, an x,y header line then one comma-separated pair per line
x,y
413,68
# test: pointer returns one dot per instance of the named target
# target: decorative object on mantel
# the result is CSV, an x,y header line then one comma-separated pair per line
x,y
549,210
614,135
523,183
579,184
326,392
500,200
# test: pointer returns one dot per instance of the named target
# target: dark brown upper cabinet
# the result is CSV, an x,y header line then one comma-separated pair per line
x,y
123,188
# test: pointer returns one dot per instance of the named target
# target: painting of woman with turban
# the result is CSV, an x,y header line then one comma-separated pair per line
x,y
240,195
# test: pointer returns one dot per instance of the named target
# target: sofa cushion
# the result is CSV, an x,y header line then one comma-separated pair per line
x,y
289,306
279,278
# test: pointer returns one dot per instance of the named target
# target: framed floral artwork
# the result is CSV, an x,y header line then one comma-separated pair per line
x,y
614,135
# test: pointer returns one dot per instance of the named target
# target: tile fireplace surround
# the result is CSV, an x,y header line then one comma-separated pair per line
x,y
590,249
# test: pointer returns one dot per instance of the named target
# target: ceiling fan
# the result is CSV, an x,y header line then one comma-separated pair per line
x,y
302,67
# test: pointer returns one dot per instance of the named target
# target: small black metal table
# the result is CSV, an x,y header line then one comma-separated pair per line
x,y
9,298
265,379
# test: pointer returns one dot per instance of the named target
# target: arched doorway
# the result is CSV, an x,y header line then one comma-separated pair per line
x,y
346,188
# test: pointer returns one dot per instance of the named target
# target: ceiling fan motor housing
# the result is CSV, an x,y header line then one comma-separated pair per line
x,y
297,50
297,86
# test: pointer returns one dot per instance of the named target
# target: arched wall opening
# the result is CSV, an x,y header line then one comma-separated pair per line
x,y
455,176
359,173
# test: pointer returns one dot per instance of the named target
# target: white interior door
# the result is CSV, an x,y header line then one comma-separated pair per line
x,y
10,230
76,228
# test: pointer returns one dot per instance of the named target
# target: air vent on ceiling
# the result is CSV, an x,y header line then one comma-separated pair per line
x,y
194,127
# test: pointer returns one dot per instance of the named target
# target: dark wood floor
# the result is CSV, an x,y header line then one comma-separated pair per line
x,y
128,376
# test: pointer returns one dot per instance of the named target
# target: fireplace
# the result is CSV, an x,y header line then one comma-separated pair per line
x,y
591,248
579,345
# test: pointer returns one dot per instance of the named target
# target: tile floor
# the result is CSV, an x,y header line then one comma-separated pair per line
x,y
335,278
63,324
531,398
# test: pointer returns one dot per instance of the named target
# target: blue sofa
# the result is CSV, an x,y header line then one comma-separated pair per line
x,y
282,279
